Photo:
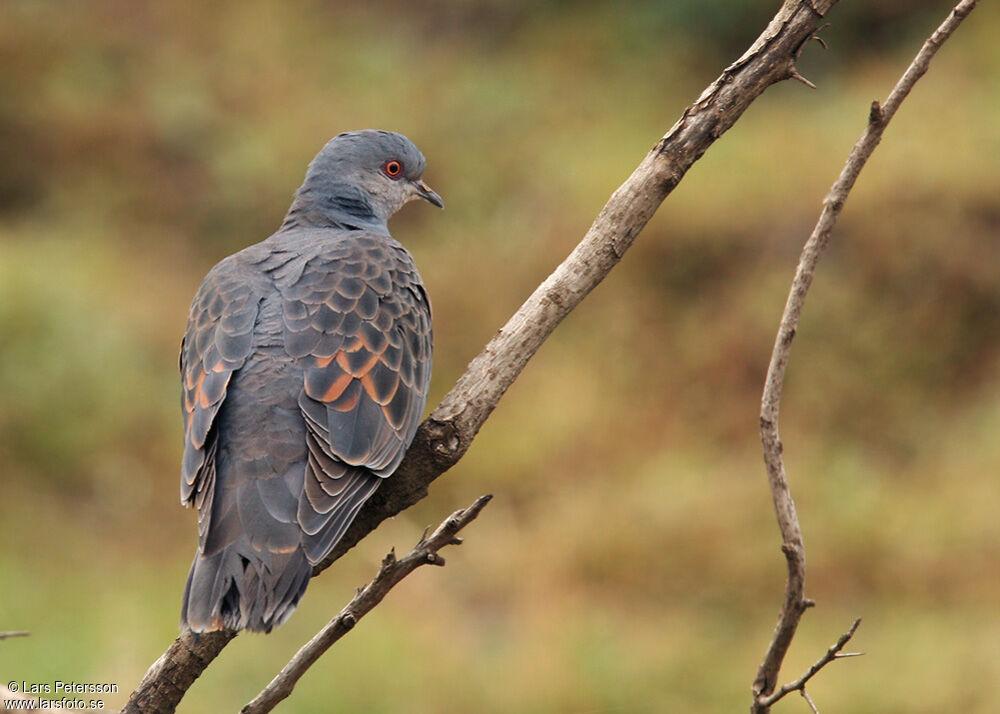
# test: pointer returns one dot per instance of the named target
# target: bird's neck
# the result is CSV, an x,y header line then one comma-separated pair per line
x,y
333,206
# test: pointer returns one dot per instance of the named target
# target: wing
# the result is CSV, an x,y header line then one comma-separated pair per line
x,y
358,322
217,342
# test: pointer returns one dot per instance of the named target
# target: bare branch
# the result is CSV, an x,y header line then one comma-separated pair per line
x,y
800,684
14,633
795,602
392,571
447,433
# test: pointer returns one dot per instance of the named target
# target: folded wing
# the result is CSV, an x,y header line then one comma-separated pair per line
x,y
217,342
358,322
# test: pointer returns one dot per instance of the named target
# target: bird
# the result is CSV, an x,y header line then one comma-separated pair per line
x,y
305,368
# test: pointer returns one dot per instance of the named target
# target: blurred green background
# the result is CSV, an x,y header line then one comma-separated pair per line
x,y
630,560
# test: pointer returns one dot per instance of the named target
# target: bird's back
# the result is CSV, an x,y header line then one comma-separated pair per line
x,y
293,459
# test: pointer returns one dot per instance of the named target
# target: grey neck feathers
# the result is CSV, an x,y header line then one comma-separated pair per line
x,y
330,204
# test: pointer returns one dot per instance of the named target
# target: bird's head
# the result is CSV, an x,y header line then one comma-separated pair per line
x,y
361,178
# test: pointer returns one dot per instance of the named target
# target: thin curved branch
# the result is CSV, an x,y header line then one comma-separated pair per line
x,y
393,570
795,602
447,433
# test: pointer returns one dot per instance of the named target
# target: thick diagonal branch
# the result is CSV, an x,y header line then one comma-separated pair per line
x,y
795,603
447,433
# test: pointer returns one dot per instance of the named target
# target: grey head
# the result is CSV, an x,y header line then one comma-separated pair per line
x,y
358,180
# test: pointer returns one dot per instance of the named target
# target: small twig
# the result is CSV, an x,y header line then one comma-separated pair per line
x,y
800,684
392,571
809,701
798,77
14,633
795,602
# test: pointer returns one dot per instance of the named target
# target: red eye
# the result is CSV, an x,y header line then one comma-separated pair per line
x,y
393,169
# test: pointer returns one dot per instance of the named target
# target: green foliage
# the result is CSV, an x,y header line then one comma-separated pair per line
x,y
629,560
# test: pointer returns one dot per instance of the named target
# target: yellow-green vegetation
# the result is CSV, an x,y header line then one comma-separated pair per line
x,y
629,561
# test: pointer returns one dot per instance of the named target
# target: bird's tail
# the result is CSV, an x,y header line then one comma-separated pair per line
x,y
240,587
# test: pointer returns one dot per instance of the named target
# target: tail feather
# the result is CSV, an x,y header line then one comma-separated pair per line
x,y
240,588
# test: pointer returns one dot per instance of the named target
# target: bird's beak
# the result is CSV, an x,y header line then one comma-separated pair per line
x,y
427,193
